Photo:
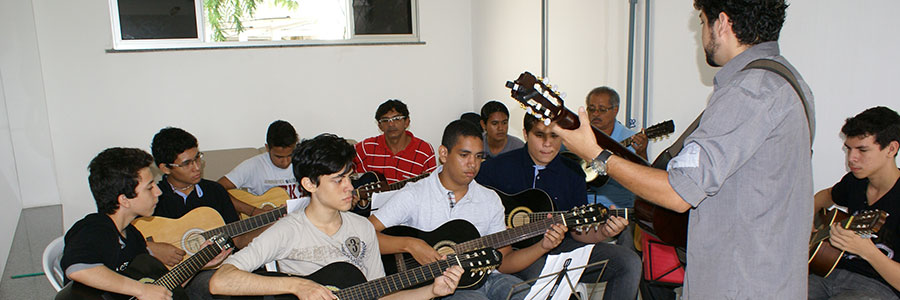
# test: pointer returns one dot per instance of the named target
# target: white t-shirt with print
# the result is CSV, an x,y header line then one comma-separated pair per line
x,y
258,174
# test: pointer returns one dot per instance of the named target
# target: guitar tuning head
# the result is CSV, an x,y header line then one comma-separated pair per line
x,y
546,122
545,80
562,94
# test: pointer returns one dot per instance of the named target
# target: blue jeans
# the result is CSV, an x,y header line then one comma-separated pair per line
x,y
622,274
497,286
843,284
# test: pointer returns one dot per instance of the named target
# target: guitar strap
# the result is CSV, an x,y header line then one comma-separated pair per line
x,y
763,63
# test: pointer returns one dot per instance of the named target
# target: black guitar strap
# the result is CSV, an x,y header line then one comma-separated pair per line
x,y
763,63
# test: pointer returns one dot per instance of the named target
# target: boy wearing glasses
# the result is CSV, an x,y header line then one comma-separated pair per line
x,y
396,154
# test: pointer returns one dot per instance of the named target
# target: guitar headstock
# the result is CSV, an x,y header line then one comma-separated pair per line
x,y
536,97
867,222
479,261
583,217
660,130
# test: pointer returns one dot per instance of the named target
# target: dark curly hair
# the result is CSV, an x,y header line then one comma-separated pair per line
x,y
391,104
322,155
114,172
880,122
753,21
169,142
281,134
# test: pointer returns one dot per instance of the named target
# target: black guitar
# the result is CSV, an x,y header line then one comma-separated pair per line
x,y
369,183
458,236
348,283
146,269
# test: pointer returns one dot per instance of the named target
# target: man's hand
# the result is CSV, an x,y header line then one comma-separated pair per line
x,y
614,225
167,254
580,141
554,236
446,283
639,143
261,210
422,252
310,290
219,258
849,241
154,292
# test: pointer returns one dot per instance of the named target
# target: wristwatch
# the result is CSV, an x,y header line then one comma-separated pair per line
x,y
599,162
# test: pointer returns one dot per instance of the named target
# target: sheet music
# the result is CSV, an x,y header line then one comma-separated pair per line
x,y
542,287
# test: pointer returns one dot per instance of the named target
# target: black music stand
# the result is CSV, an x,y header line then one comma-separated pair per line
x,y
559,275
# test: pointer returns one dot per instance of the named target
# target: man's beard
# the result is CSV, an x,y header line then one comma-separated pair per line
x,y
710,50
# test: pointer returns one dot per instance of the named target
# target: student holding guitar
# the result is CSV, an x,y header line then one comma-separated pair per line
x,y
870,268
540,166
103,243
451,193
320,234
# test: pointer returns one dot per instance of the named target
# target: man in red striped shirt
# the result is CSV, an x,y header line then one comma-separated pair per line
x,y
396,154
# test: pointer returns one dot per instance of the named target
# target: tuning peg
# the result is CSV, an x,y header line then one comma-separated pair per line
x,y
562,95
546,122
545,80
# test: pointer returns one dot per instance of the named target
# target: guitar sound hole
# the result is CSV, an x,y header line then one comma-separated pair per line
x,y
519,219
193,241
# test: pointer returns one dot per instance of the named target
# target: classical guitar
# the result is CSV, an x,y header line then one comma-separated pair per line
x,y
190,231
272,198
459,236
823,257
146,269
348,283
654,133
534,95
369,183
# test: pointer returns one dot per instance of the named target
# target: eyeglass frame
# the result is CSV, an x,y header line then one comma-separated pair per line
x,y
396,118
600,109
197,159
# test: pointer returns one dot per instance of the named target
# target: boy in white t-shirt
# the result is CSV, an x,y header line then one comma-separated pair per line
x,y
320,234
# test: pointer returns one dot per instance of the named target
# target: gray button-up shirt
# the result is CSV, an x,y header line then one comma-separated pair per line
x,y
746,171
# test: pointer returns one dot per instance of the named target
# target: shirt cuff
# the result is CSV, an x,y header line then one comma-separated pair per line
x,y
686,188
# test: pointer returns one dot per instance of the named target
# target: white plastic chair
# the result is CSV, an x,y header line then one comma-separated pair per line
x,y
52,255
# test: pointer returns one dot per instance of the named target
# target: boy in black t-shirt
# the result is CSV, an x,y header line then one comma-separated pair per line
x,y
105,242
870,268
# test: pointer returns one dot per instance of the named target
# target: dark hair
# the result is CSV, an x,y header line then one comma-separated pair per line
x,y
391,104
491,107
114,172
528,122
281,134
880,122
457,129
472,118
322,155
169,142
613,95
753,21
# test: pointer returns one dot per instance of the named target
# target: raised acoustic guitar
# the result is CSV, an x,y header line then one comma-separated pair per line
x,y
190,231
460,236
348,283
146,269
654,133
823,257
534,95
370,183
274,197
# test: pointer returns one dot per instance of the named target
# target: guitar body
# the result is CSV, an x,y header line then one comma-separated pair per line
x,y
441,239
272,198
334,276
521,206
143,268
364,206
823,257
667,225
183,233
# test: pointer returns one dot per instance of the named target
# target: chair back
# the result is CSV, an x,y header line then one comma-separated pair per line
x,y
53,271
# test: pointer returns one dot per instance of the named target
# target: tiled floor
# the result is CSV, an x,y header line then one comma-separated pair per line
x,y
37,227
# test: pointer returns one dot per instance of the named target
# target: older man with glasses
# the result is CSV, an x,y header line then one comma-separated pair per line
x,y
397,154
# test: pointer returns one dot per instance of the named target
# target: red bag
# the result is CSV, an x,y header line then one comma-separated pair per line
x,y
661,264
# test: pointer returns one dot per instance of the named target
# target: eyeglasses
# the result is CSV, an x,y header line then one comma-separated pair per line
x,y
197,160
600,109
391,119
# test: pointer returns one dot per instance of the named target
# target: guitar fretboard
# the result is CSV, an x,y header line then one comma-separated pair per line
x,y
248,224
627,213
183,271
395,282
510,236
366,191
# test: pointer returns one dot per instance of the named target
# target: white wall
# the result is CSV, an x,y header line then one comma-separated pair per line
x,y
9,183
227,98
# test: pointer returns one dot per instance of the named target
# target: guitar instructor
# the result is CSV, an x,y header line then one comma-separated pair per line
x,y
745,172
871,269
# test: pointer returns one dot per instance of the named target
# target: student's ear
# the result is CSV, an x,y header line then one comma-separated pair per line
x,y
308,184
267,147
524,133
165,169
443,152
123,201
893,148
483,125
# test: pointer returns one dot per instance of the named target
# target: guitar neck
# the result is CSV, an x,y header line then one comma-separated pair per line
x,y
510,236
249,224
627,213
569,120
385,285
184,270
365,192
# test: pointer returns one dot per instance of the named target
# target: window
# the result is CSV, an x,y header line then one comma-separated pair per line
x,y
173,24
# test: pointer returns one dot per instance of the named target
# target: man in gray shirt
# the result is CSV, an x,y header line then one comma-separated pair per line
x,y
745,173
495,122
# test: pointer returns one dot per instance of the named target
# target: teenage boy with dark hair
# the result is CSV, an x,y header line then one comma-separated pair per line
x,y
452,193
871,268
396,154
495,122
267,170
320,234
103,243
